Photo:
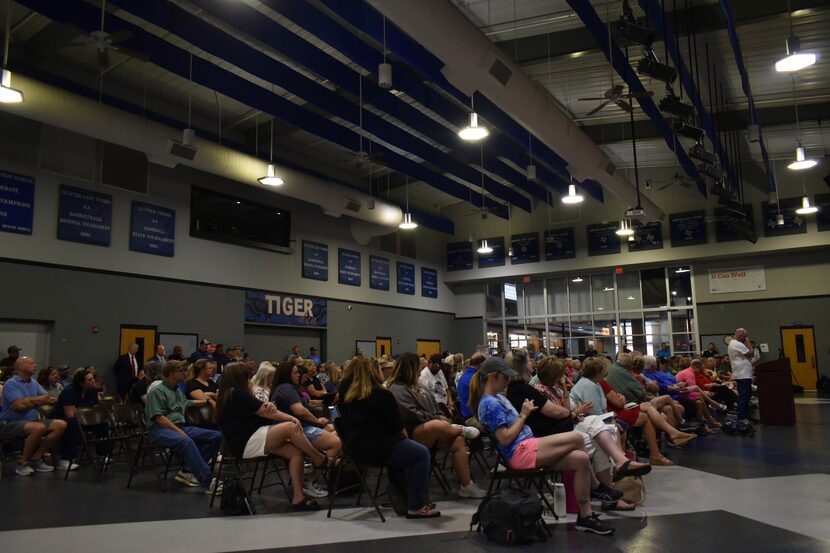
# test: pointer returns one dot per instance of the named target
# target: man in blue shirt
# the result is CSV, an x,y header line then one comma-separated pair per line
x,y
312,354
463,387
664,352
201,353
22,395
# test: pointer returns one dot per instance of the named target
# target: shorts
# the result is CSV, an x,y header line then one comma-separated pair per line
x,y
629,416
524,456
312,432
10,430
255,447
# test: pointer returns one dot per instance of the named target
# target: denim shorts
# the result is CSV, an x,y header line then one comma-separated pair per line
x,y
312,432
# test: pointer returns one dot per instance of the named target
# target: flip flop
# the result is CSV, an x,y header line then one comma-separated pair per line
x,y
615,506
624,471
426,512
305,505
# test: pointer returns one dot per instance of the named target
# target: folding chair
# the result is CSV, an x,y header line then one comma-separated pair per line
x,y
95,429
344,427
130,421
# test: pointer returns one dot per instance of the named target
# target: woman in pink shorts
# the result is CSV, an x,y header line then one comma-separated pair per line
x,y
518,446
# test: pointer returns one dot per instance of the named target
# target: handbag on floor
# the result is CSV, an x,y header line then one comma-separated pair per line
x,y
633,489
235,500
510,516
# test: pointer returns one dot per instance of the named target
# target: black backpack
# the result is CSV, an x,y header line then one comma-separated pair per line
x,y
510,516
235,500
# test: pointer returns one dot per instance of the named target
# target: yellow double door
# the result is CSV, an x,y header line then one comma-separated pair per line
x,y
799,345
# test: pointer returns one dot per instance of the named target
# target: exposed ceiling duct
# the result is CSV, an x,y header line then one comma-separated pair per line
x,y
59,108
473,63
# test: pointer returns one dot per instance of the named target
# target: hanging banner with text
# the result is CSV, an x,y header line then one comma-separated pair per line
x,y
603,239
459,256
315,260
688,229
17,203
348,267
744,279
378,273
152,229
560,244
84,216
429,283
647,237
277,308
525,248
406,278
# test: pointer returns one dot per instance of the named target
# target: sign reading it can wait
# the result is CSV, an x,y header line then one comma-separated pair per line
x,y
743,279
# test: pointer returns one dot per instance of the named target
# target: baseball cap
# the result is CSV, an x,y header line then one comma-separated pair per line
x,y
63,368
13,349
497,365
204,341
313,348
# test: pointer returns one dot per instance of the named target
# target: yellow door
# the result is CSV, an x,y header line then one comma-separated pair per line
x,y
144,336
799,345
428,346
383,346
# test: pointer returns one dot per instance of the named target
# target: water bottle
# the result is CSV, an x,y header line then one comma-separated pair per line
x,y
559,504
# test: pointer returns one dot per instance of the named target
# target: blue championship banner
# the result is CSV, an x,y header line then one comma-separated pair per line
x,y
406,278
315,260
603,239
378,273
17,203
348,267
152,229
525,248
688,229
429,283
647,237
560,244
277,308
84,216
459,256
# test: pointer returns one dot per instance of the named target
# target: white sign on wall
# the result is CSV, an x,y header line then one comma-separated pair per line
x,y
743,279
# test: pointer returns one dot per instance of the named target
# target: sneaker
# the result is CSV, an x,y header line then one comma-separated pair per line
x,y
187,479
312,489
40,466
23,469
469,432
593,524
106,460
213,484
472,491
63,464
604,493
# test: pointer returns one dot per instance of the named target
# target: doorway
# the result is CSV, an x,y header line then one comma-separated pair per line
x,y
799,345
428,347
383,346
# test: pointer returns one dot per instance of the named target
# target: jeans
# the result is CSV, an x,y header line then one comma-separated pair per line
x,y
411,458
744,393
197,448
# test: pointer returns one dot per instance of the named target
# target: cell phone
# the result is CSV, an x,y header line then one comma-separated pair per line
x,y
630,405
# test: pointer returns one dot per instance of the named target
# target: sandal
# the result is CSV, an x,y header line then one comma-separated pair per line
x,y
305,505
624,471
426,512
328,463
615,506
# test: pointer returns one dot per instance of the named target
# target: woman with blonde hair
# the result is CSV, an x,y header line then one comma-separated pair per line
x,y
375,435
426,424
263,381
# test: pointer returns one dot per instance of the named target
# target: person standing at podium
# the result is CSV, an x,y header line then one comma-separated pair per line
x,y
740,357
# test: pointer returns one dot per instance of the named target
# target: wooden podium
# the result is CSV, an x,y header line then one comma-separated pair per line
x,y
775,392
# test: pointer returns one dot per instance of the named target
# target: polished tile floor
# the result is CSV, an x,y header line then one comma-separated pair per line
x,y
728,493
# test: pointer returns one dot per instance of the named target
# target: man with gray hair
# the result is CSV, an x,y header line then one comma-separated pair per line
x,y
740,358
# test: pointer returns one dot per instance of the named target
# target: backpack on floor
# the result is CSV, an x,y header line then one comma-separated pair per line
x,y
235,500
633,489
510,516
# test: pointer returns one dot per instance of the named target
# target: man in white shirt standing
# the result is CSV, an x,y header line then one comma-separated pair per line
x,y
432,380
740,357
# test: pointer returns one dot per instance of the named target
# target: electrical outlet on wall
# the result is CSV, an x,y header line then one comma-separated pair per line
x,y
648,184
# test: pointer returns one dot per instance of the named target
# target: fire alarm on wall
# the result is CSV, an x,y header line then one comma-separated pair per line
x,y
94,329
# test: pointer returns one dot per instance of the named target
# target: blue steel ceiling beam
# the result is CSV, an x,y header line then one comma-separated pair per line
x,y
753,113
271,33
598,29
665,31
232,50
176,60
367,20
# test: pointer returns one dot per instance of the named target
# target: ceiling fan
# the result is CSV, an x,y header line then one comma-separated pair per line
x,y
615,95
104,41
682,180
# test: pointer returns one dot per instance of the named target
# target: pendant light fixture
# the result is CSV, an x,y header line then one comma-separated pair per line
x,y
484,248
271,178
8,95
385,68
510,251
407,223
625,228
806,208
473,132
531,168
801,161
572,197
795,59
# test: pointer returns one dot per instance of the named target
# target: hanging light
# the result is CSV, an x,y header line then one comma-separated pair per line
x,y
681,270
779,220
484,248
572,197
806,208
407,223
801,162
271,178
385,68
625,229
795,60
473,131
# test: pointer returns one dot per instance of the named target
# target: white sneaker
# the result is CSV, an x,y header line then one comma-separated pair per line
x,y
187,479
214,484
24,470
469,432
312,489
64,463
40,466
472,490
